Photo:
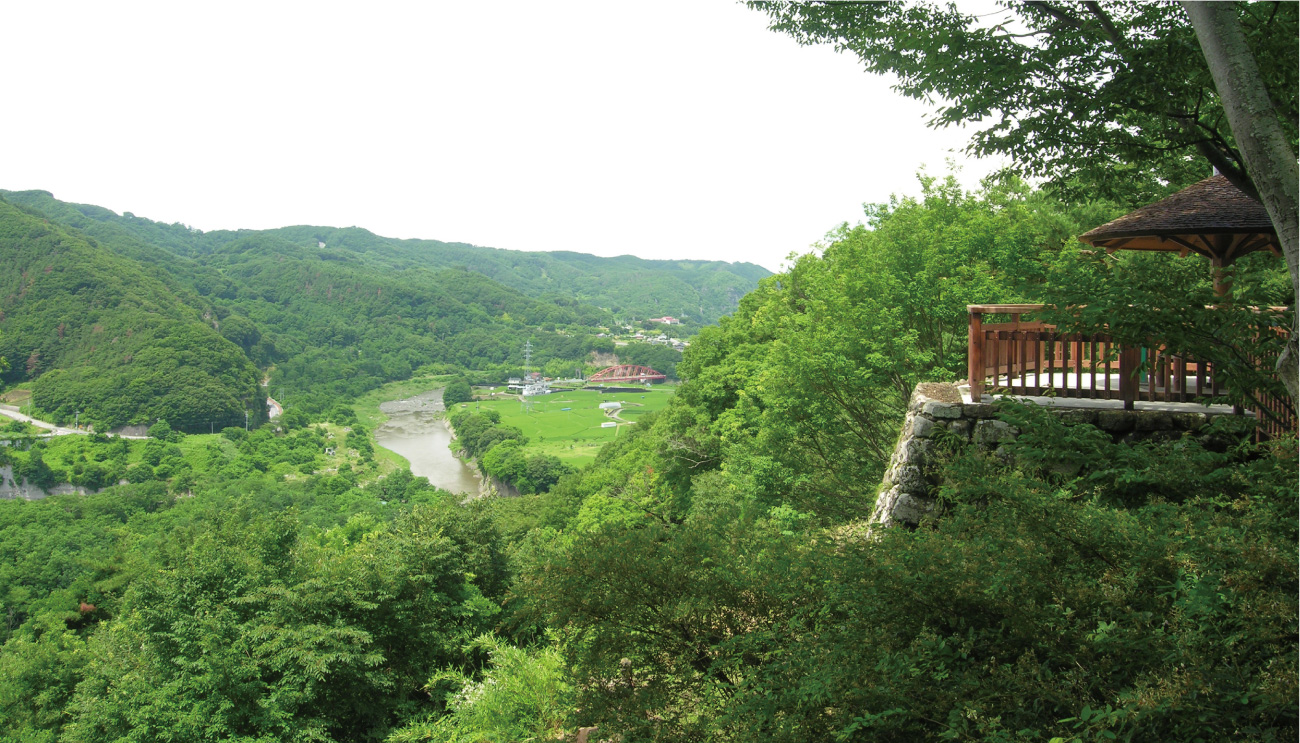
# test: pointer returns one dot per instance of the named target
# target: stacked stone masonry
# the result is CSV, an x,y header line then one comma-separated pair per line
x,y
905,495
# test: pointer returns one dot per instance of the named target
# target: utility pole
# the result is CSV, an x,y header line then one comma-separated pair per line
x,y
245,420
77,421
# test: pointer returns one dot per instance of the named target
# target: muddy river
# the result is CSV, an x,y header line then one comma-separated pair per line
x,y
416,430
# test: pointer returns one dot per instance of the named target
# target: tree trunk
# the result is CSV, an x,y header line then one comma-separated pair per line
x,y
1268,156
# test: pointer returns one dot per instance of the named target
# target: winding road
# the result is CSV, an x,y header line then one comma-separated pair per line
x,y
12,412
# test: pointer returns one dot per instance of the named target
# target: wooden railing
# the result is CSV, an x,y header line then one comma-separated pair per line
x,y
1275,418
1007,354
1275,415
1032,358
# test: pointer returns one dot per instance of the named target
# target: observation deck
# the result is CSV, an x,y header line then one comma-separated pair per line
x,y
1009,353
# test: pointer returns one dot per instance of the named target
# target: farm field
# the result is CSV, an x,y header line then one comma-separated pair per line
x,y
574,435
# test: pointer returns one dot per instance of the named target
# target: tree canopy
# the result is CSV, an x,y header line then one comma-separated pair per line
x,y
129,320
95,332
714,575
1108,99
707,578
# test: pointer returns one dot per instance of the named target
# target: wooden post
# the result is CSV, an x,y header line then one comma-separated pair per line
x,y
975,356
1222,279
1130,359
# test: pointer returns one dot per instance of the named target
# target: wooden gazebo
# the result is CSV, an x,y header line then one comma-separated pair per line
x,y
1212,218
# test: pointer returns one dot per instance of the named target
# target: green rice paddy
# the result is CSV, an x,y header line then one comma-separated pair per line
x,y
574,435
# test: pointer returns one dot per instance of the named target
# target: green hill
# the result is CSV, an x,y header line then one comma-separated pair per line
x,y
333,325
330,313
95,332
629,286
327,323
632,287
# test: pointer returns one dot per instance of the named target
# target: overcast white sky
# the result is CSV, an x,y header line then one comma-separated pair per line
x,y
668,129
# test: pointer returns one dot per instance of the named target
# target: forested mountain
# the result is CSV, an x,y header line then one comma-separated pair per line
x,y
328,323
101,336
709,577
333,325
716,574
629,286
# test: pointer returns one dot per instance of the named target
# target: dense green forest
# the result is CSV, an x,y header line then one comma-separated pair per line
x,y
709,577
99,336
631,287
1071,588
714,575
325,324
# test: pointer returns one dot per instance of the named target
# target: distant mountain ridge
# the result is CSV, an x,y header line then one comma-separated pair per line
x,y
630,287
115,319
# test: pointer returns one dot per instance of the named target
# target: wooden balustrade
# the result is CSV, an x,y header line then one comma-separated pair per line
x,y
1032,359
1009,355
1275,417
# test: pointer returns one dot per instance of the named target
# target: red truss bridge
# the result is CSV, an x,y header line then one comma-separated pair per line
x,y
627,373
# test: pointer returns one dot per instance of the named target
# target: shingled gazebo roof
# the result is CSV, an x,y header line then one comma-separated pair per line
x,y
1212,218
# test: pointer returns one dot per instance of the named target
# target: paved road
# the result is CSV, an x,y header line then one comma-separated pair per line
x,y
12,412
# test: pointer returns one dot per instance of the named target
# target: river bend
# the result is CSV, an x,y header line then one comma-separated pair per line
x,y
416,429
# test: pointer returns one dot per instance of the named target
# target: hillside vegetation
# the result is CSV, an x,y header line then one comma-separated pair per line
x,y
716,574
626,285
709,577
328,324
100,336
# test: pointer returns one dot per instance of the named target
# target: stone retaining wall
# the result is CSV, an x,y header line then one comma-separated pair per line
x,y
140,430
904,496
